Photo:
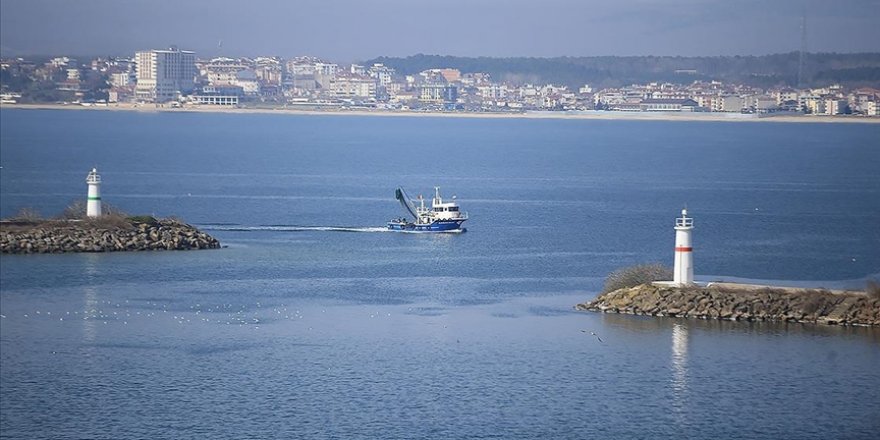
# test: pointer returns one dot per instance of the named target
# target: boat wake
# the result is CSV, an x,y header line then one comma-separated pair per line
x,y
290,228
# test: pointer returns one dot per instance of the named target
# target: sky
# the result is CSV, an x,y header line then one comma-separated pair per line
x,y
357,30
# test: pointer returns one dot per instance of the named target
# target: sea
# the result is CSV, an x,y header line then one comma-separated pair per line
x,y
313,321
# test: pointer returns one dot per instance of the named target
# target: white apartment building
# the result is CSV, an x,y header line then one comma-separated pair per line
x,y
353,87
357,69
835,106
784,96
763,103
382,73
221,71
59,62
119,79
325,73
812,104
609,97
492,92
328,69
732,103
162,75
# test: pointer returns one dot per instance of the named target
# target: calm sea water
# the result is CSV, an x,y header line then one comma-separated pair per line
x,y
315,323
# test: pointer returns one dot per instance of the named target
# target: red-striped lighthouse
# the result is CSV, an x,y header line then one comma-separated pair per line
x,y
684,251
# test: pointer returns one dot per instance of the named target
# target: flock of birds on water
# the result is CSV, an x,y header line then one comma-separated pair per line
x,y
103,311
106,311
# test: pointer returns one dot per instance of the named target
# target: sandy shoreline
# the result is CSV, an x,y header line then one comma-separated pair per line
x,y
604,115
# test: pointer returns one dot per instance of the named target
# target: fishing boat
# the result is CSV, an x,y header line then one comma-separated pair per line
x,y
439,217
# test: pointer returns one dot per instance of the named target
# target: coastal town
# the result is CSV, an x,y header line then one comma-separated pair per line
x,y
175,78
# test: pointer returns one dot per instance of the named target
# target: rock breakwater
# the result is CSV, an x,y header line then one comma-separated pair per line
x,y
730,303
132,234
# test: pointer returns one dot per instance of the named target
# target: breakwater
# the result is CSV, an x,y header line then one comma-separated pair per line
x,y
101,235
741,304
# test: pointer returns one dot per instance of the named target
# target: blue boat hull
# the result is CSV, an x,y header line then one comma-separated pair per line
x,y
437,226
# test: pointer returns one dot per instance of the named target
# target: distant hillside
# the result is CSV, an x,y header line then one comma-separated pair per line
x,y
821,69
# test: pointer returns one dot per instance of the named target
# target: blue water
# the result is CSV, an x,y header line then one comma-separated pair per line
x,y
315,323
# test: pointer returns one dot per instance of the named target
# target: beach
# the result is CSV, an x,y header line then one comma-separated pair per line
x,y
584,115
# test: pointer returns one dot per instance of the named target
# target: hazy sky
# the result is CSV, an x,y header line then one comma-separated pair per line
x,y
349,30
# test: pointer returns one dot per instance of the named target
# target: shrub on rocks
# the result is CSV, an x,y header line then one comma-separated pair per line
x,y
636,275
75,210
873,289
27,215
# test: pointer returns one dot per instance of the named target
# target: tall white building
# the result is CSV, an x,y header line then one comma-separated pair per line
x,y
162,75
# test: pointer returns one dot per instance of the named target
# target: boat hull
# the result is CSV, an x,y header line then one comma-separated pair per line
x,y
436,226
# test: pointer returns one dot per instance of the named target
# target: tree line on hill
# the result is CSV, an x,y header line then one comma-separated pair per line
x,y
93,85
778,70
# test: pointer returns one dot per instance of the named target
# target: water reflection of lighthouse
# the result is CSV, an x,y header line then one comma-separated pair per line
x,y
679,371
679,357
90,302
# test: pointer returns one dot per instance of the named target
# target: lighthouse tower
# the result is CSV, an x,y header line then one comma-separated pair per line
x,y
93,207
683,273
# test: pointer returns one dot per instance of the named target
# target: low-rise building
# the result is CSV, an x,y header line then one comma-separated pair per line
x,y
120,79
668,105
353,86
763,104
732,104
627,107
438,93
221,100
492,91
